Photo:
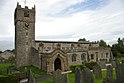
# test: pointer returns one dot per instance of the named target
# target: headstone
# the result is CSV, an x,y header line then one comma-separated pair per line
x,y
87,76
113,63
119,73
31,79
78,75
102,64
97,71
117,62
64,78
109,74
59,77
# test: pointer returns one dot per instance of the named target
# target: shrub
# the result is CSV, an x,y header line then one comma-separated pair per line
x,y
90,64
72,67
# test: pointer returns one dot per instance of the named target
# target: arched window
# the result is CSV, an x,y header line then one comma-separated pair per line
x,y
92,56
83,56
74,57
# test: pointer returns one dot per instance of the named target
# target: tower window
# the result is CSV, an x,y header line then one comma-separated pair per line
x,y
26,33
26,13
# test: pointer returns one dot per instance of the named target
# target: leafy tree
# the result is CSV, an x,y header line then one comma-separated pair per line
x,y
82,39
1,52
11,59
118,49
102,43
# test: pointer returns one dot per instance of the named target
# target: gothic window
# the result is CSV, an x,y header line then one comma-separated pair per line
x,y
92,56
26,43
74,57
26,13
106,55
83,56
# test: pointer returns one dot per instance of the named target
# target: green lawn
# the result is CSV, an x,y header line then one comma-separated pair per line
x,y
72,80
120,59
3,68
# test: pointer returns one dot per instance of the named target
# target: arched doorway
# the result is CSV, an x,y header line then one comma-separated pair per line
x,y
57,64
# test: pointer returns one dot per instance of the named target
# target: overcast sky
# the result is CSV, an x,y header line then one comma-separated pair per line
x,y
66,20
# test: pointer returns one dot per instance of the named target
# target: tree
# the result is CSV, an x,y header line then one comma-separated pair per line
x,y
102,43
82,39
11,59
118,49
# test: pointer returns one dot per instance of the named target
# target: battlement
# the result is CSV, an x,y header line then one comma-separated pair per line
x,y
23,8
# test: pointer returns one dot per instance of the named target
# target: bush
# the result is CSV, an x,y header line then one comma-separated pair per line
x,y
8,79
90,64
72,67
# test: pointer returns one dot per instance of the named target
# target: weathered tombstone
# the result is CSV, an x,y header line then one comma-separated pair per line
x,y
97,71
119,73
31,79
117,62
102,64
87,76
64,78
113,63
109,74
78,75
58,77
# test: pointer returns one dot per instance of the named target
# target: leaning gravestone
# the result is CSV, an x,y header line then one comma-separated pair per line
x,y
87,76
97,71
78,75
119,73
109,74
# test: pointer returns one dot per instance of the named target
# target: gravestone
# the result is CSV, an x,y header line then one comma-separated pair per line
x,y
113,63
78,75
64,78
97,71
109,74
102,64
117,62
87,76
59,77
119,73
31,79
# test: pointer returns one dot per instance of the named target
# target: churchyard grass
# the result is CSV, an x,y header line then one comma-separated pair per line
x,y
3,68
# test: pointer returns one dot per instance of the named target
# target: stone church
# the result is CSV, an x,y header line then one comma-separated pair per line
x,y
50,55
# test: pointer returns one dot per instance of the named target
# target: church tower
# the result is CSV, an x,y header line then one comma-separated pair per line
x,y
24,20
